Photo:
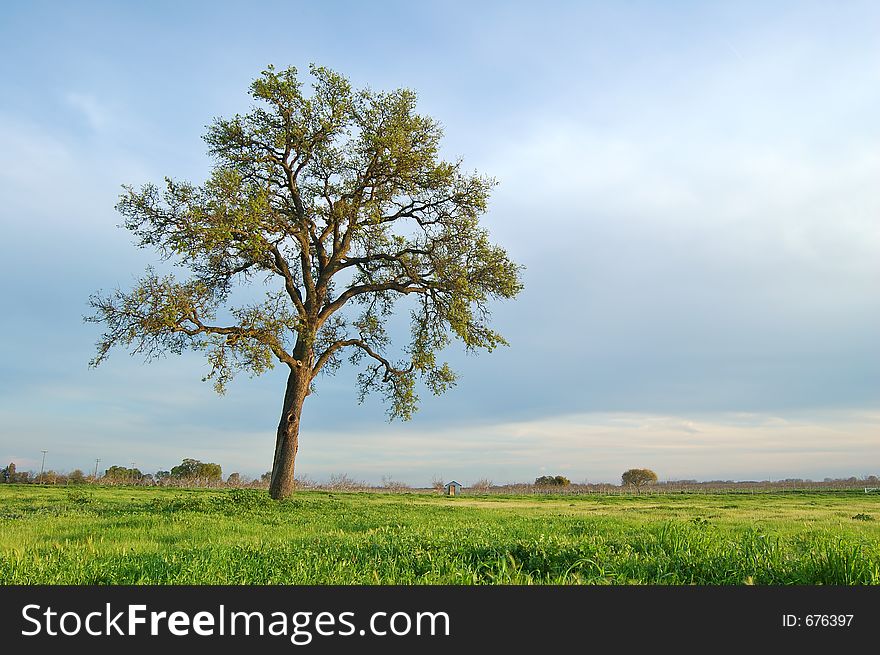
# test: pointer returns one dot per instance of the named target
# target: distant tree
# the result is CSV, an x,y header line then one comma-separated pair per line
x,y
14,475
266,477
637,478
211,472
52,477
186,469
341,198
122,474
552,481
233,479
162,475
76,476
344,481
115,473
8,474
193,469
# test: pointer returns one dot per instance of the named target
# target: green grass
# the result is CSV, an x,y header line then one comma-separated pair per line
x,y
87,535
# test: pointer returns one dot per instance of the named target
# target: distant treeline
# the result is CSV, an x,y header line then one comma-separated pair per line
x,y
190,472
694,486
194,473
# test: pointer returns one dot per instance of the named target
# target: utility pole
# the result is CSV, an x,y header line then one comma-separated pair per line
x,y
43,465
96,469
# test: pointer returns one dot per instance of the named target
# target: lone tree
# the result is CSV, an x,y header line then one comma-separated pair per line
x,y
638,478
339,202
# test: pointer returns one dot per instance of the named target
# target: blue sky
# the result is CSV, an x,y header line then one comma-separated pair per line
x,y
692,188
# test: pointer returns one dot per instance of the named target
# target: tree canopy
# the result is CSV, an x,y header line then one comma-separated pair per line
x,y
638,477
190,469
343,198
123,474
552,481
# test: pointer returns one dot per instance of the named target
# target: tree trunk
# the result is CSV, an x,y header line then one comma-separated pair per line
x,y
287,440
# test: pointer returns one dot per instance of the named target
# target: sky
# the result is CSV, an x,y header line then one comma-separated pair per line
x,y
691,187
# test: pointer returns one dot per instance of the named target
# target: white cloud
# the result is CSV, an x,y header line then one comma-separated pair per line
x,y
95,112
599,446
802,202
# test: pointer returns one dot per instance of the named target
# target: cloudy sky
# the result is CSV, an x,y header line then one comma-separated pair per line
x,y
693,188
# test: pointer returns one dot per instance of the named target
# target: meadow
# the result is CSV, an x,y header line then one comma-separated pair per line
x,y
135,535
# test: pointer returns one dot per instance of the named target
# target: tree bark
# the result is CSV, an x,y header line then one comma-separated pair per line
x,y
287,440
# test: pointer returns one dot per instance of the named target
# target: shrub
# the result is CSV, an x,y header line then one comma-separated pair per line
x,y
79,498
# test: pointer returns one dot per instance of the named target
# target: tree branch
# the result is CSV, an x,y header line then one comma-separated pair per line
x,y
390,369
238,331
289,284
360,289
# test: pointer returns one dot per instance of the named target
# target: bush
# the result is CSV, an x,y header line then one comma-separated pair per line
x,y
79,497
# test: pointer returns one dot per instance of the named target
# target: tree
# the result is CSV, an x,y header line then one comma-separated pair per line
x,y
76,476
123,474
11,474
192,469
340,201
552,481
638,478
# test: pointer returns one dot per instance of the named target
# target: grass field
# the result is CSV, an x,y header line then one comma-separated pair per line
x,y
99,535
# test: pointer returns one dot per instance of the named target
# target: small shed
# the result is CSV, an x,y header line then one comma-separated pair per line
x,y
452,488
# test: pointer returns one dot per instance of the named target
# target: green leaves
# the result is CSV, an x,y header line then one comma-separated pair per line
x,y
161,315
158,315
